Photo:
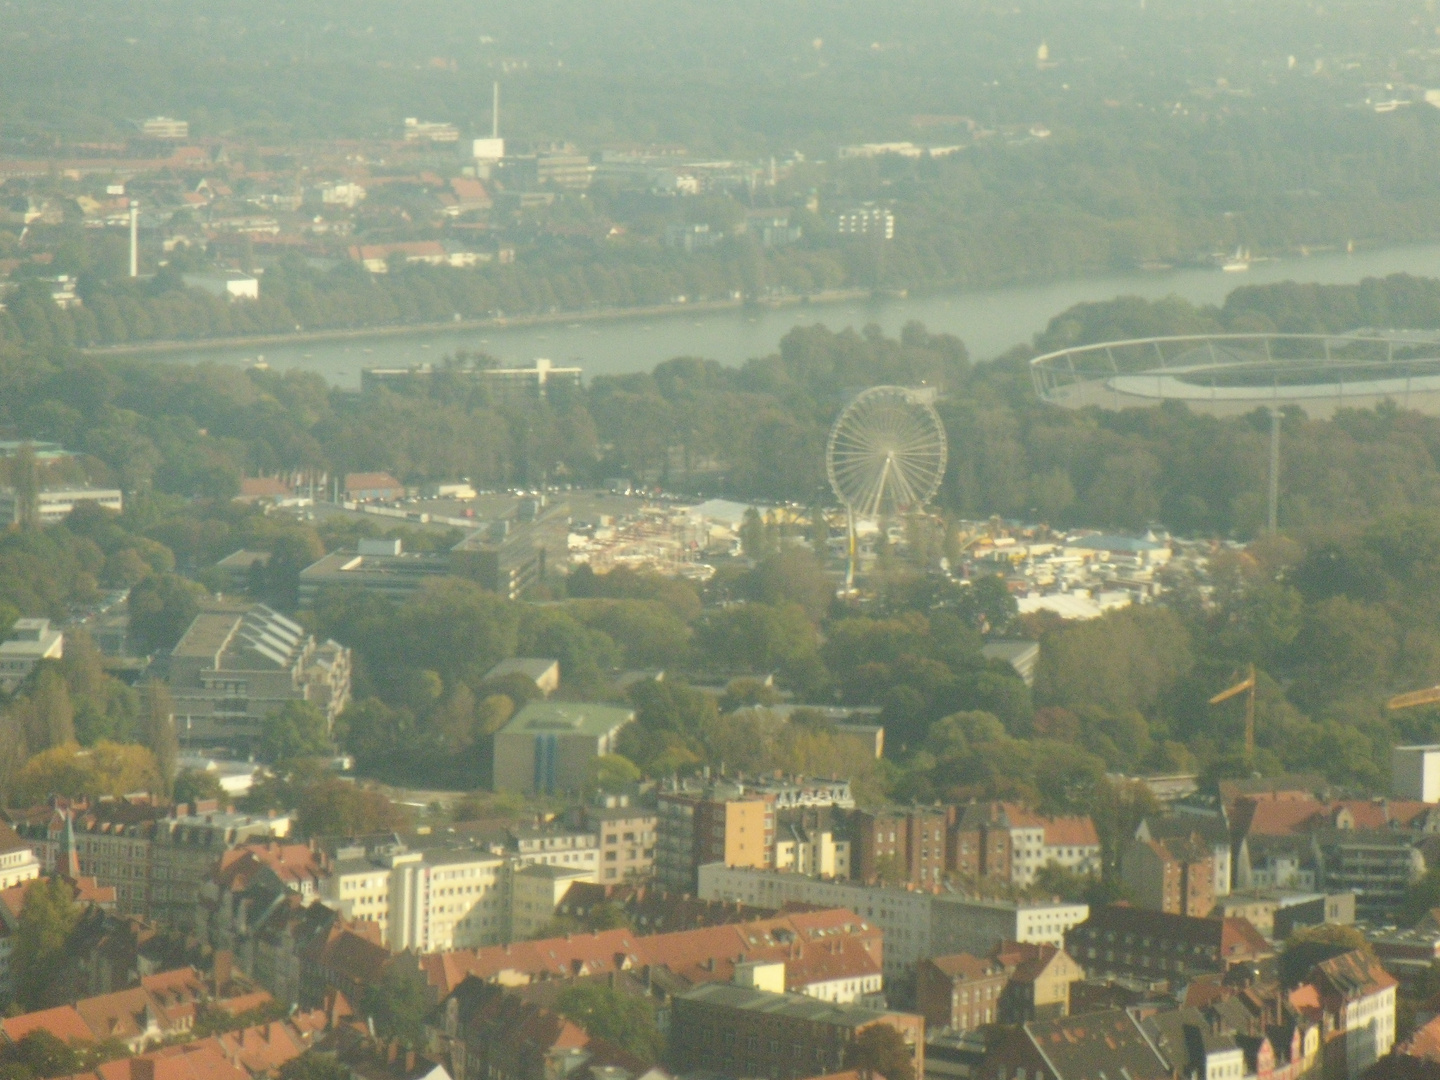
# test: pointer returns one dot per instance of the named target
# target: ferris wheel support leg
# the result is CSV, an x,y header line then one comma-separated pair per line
x,y
850,545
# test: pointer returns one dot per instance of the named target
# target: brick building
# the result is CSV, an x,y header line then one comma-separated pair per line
x,y
1176,874
721,823
901,845
1007,842
959,993
1156,946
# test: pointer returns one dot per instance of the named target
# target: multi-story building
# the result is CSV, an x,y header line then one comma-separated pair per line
x,y
28,642
1007,842
1175,875
113,838
902,845
1079,1048
829,954
718,823
53,505
18,862
535,893
1209,829
236,664
626,838
548,747
1038,979
962,924
186,849
572,849
916,923
1157,947
959,993
748,1032
1377,865
425,900
806,842
1357,997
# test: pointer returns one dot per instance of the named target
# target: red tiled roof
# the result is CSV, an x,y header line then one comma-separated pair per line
x,y
263,487
1425,1042
1279,816
704,955
63,1022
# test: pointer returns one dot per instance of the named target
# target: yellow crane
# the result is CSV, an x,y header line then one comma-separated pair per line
x,y
1244,686
1429,696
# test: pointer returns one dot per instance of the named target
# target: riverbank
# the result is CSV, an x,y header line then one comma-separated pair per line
x,y
552,318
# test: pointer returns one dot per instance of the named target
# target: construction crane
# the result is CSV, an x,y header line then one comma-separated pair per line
x,y
1245,686
1414,698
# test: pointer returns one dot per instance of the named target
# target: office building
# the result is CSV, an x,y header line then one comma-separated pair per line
x,y
236,664
380,567
549,747
163,127
28,642
53,505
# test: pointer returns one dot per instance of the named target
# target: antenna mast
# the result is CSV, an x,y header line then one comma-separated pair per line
x,y
495,112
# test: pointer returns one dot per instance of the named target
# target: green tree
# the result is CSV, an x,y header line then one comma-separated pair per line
x,y
157,731
192,785
336,807
297,729
881,1049
161,608
399,1003
314,1065
1312,945
47,918
623,1019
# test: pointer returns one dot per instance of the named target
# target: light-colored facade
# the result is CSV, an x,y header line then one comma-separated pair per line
x,y
535,893
426,900
237,664
53,505
549,747
625,838
1415,773
184,852
570,848
29,642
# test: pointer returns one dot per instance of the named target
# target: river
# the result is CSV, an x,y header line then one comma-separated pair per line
x,y
989,321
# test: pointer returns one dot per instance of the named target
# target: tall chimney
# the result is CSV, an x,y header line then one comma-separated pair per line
x,y
495,112
134,238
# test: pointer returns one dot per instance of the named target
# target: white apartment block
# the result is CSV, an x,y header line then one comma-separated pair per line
x,y
916,924
424,901
573,849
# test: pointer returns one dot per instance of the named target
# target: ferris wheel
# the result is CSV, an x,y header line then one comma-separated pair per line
x,y
886,452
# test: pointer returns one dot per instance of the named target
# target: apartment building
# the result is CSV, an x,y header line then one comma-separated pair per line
x,y
438,898
899,845
1158,947
959,993
916,924
1007,842
625,839
185,850
718,823
18,862
535,893
809,841
1357,998
1175,875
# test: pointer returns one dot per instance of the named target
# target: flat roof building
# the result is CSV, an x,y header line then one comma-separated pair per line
x,y
238,663
29,642
53,505
547,747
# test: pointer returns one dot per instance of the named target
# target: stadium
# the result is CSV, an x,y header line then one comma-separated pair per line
x,y
1234,374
